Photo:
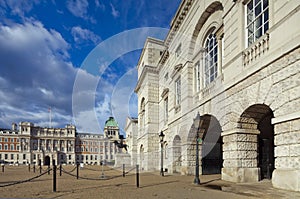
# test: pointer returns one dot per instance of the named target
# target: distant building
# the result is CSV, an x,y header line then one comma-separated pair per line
x,y
131,130
32,144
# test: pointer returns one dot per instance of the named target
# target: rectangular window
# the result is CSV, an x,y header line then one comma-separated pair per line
x,y
0,146
18,147
11,156
5,156
5,140
12,147
70,157
5,147
197,76
24,156
166,110
178,91
257,19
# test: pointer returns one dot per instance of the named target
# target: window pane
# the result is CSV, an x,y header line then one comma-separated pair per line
x,y
265,4
266,26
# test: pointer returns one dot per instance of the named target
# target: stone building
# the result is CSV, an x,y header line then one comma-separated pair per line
x,y
94,149
236,63
131,129
30,144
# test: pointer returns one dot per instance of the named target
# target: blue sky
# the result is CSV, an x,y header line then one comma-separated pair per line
x,y
76,56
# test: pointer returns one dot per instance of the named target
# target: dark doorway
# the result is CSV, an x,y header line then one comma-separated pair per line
x,y
266,147
47,160
212,158
212,162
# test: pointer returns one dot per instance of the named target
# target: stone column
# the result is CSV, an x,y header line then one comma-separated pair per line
x,y
287,152
240,155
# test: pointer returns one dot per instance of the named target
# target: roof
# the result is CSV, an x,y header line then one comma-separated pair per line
x,y
111,122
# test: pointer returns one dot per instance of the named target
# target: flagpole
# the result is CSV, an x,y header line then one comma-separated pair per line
x,y
50,117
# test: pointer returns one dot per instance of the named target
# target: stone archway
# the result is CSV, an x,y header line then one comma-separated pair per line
x,y
210,145
259,150
177,157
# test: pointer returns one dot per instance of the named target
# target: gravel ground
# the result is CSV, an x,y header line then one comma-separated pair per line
x,y
92,184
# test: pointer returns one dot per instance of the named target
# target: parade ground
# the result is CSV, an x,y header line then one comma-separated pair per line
x,y
108,182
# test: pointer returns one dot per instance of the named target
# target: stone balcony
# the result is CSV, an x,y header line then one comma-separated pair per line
x,y
256,50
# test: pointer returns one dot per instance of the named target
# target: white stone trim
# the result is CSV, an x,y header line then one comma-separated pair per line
x,y
240,131
286,118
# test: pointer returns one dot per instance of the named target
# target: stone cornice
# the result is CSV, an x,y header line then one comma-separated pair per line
x,y
146,69
165,92
149,40
178,19
164,57
176,70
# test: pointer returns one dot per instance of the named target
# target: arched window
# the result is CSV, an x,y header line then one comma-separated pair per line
x,y
211,59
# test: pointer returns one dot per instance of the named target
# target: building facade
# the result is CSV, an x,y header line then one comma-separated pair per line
x,y
236,63
31,144
131,129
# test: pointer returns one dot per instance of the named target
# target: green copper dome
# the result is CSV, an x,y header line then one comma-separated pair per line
x,y
111,122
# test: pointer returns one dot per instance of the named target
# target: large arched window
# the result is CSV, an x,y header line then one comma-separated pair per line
x,y
211,59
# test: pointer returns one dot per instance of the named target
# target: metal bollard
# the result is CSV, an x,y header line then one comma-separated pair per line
x,y
77,172
60,168
34,168
29,167
49,169
124,170
137,176
54,176
3,168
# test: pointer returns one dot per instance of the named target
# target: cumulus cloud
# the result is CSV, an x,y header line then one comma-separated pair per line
x,y
82,35
34,73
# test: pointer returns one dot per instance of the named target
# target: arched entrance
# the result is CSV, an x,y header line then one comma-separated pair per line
x,y
259,117
212,158
266,147
47,160
177,154
210,144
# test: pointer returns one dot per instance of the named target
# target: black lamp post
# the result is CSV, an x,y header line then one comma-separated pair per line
x,y
161,136
197,124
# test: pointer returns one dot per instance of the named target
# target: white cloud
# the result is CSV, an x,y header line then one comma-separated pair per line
x,y
99,5
19,7
115,13
34,73
78,7
82,35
